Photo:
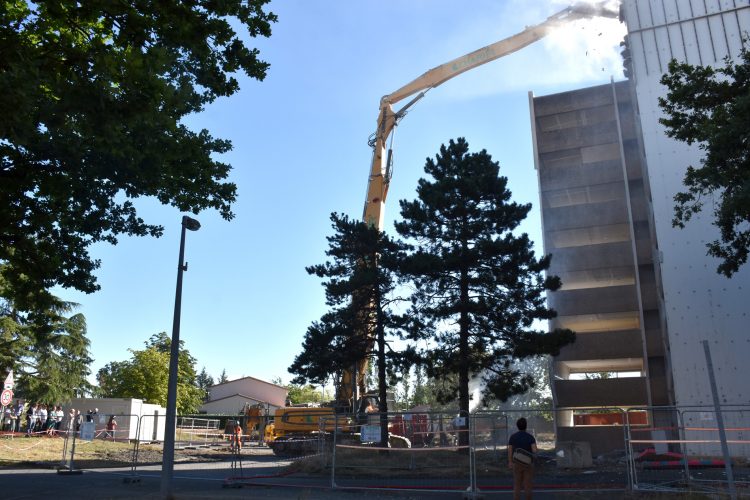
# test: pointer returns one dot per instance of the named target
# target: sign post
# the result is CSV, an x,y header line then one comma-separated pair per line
x,y
6,397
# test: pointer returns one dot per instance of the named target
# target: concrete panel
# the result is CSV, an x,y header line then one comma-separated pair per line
x,y
579,137
585,236
600,322
582,195
592,97
591,257
603,345
596,278
577,118
615,392
566,169
602,439
573,454
596,300
592,214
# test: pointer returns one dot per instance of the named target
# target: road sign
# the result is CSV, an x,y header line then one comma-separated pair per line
x,y
9,382
6,397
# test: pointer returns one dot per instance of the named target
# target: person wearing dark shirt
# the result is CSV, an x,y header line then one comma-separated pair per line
x,y
522,473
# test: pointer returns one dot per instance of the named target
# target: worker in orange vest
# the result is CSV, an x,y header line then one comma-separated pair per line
x,y
237,437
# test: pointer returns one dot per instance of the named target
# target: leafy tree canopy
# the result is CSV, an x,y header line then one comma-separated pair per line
x,y
146,375
204,381
46,348
303,393
711,107
92,98
479,288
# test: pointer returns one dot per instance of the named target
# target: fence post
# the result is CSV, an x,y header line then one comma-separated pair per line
x,y
333,452
628,448
136,447
720,421
683,447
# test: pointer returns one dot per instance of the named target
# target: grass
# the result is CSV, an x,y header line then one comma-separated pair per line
x,y
48,451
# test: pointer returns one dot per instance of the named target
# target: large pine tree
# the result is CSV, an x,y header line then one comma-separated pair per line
x,y
358,327
45,344
479,289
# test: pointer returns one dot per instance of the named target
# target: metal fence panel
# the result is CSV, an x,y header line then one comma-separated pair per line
x,y
680,450
424,454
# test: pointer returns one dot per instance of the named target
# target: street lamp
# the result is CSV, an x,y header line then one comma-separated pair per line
x,y
167,468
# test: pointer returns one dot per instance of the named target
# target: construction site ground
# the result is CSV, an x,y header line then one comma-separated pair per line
x,y
257,473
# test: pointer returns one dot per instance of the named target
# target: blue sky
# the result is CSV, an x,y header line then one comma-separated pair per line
x,y
300,152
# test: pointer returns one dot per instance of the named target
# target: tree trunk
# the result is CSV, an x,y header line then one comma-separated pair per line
x,y
463,367
382,384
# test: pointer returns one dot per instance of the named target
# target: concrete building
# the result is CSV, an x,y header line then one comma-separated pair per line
x,y
641,294
596,225
135,419
230,397
698,303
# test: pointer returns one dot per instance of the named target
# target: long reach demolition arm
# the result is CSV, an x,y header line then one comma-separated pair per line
x,y
380,170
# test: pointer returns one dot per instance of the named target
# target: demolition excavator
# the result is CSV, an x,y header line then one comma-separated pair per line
x,y
295,430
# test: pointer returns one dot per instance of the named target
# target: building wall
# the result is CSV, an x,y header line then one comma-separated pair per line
x,y
233,404
129,412
699,303
597,227
254,388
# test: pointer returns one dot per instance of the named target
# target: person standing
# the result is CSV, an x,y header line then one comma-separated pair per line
x,y
31,415
111,427
41,419
236,438
19,415
521,451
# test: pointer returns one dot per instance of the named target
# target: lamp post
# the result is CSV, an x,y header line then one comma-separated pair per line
x,y
167,468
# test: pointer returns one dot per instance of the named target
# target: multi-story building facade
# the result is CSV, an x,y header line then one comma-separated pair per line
x,y
642,295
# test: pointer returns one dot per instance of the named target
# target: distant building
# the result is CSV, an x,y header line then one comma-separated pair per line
x,y
135,419
230,397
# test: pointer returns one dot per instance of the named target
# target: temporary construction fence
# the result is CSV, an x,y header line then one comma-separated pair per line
x,y
666,449
440,460
682,449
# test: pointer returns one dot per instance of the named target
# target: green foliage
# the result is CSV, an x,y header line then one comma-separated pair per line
x,y
223,377
359,282
204,381
479,289
711,107
146,375
305,394
46,347
359,279
93,95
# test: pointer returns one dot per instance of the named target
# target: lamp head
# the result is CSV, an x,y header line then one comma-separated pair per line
x,y
190,224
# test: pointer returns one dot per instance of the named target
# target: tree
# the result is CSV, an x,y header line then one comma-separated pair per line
x,y
304,394
46,347
204,381
93,95
359,282
711,107
146,375
223,377
479,289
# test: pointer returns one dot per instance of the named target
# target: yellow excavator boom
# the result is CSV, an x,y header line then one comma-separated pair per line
x,y
379,178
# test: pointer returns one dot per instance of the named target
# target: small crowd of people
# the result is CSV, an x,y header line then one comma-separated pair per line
x,y
41,419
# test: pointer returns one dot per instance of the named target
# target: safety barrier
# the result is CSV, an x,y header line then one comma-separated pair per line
x,y
425,453
664,449
681,450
